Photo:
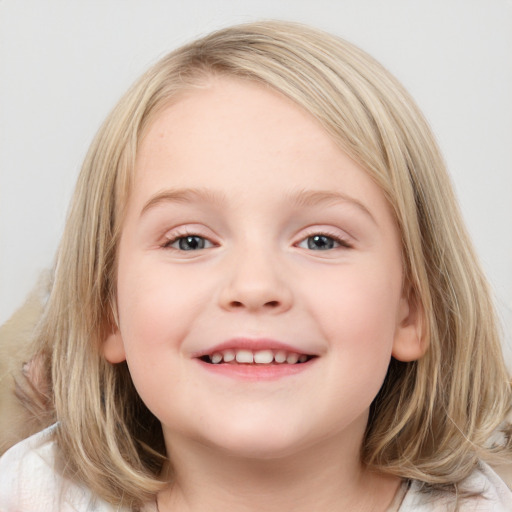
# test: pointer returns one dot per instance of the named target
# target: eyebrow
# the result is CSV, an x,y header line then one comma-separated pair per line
x,y
325,197
304,198
183,195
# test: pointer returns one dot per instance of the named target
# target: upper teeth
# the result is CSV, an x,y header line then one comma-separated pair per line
x,y
258,356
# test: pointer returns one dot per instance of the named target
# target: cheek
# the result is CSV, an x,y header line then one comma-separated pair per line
x,y
156,307
357,312
155,315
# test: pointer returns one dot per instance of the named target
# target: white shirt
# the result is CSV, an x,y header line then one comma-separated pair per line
x,y
29,483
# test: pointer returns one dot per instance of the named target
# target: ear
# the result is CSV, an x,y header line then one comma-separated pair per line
x,y
113,348
410,342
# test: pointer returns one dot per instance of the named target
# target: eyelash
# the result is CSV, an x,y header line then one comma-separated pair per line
x,y
182,236
341,242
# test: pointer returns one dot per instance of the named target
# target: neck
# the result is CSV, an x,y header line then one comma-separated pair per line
x,y
317,478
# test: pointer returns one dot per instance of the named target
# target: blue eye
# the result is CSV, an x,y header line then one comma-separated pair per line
x,y
321,243
189,243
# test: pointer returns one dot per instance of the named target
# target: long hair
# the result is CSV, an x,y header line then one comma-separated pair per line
x,y
432,418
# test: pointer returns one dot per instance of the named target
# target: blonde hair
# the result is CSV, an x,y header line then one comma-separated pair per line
x,y
432,418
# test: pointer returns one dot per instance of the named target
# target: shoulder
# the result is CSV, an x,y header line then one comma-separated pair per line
x,y
29,481
490,495
26,473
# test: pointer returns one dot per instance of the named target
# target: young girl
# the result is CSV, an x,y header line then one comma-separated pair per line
x,y
265,299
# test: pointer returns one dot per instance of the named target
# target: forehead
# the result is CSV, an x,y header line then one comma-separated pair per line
x,y
244,138
222,109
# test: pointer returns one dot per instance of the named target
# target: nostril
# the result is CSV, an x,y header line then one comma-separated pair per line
x,y
236,304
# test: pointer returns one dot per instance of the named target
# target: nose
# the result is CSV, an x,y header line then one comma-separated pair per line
x,y
254,283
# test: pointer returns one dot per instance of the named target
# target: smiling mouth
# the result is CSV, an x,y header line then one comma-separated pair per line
x,y
256,357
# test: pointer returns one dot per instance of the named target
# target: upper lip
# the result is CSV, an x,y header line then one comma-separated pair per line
x,y
253,344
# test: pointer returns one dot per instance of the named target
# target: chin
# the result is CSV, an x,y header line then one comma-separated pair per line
x,y
263,449
257,440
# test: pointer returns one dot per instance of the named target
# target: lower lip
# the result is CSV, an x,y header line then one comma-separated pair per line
x,y
256,372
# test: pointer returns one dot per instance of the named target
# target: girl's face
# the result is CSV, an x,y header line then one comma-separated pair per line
x,y
251,239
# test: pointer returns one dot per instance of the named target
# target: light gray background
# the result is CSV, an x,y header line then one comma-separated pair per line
x,y
63,64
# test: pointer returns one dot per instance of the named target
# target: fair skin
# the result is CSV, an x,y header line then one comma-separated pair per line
x,y
249,233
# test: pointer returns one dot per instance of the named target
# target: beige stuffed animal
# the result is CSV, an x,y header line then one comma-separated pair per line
x,y
20,374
